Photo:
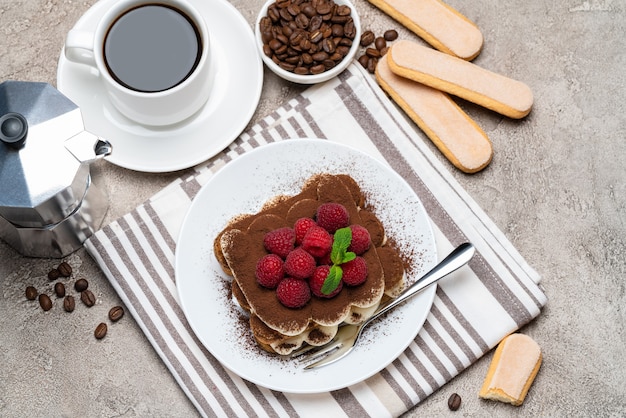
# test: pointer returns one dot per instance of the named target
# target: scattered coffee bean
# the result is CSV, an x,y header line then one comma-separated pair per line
x,y
59,289
81,284
380,43
370,58
54,274
293,32
45,302
372,53
65,270
69,304
367,38
100,331
88,298
31,293
390,35
116,313
363,59
371,65
454,402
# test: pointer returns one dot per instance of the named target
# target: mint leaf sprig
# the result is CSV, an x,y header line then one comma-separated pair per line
x,y
338,255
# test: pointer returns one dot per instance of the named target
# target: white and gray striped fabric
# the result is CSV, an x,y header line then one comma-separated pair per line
x,y
469,316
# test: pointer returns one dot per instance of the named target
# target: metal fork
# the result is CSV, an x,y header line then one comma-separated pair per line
x,y
347,335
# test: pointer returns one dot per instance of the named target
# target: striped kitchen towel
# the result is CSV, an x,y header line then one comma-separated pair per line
x,y
499,295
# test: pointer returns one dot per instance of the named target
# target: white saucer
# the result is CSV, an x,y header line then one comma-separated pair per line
x,y
233,101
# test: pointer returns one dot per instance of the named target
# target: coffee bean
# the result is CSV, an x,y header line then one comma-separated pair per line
x,y
349,30
293,60
296,38
286,66
371,65
81,284
116,313
45,302
88,298
328,64
320,56
54,274
345,42
273,14
267,50
390,35
265,25
337,30
315,23
372,53
308,10
380,43
363,59
285,15
324,8
65,270
327,32
59,289
316,36
293,9
69,304
454,402
335,57
342,50
101,331
318,69
31,293
367,38
328,45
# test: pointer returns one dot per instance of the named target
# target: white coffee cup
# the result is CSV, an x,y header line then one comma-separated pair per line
x,y
147,69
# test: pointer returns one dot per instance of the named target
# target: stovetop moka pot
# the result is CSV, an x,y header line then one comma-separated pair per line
x,y
48,203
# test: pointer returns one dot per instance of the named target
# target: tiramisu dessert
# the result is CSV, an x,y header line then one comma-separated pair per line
x,y
305,264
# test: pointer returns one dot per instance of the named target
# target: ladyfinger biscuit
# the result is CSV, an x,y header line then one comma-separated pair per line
x,y
456,135
460,78
513,369
438,24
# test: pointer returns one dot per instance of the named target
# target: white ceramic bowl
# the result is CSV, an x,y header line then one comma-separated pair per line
x,y
310,78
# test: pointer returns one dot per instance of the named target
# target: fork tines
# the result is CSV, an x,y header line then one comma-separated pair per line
x,y
306,356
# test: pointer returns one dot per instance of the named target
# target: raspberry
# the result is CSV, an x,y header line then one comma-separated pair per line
x,y
269,271
332,216
354,272
325,260
293,293
317,242
317,281
301,227
280,241
360,239
299,264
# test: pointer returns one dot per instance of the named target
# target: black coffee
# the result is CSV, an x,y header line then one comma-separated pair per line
x,y
152,48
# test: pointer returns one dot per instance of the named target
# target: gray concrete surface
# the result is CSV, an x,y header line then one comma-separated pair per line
x,y
556,187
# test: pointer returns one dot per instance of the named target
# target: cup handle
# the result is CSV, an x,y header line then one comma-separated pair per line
x,y
79,47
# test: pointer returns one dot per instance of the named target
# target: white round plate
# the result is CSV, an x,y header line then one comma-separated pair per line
x,y
242,186
233,101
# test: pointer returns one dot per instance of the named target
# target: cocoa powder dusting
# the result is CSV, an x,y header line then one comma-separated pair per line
x,y
244,248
